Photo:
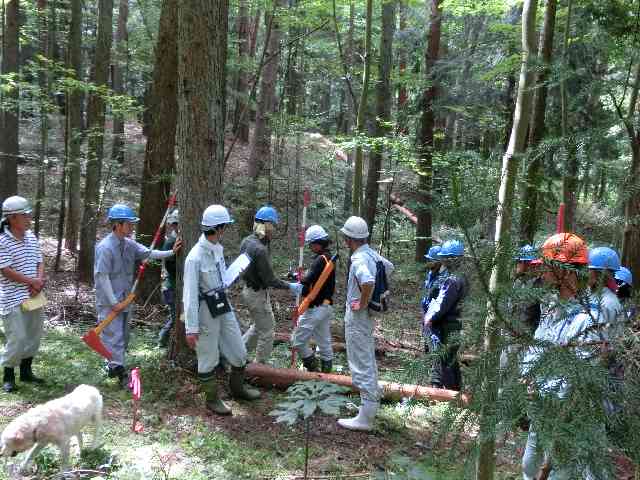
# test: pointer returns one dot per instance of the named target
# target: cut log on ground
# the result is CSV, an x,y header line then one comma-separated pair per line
x,y
284,377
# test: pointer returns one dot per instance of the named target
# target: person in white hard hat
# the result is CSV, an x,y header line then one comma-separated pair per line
x,y
21,278
210,322
359,324
316,320
169,277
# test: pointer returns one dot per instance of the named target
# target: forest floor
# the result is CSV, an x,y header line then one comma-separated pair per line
x,y
180,438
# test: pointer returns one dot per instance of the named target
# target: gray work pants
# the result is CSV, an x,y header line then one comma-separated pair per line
x,y
260,333
23,331
115,336
316,323
219,335
361,353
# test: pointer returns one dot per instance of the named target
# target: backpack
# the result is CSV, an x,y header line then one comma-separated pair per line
x,y
378,301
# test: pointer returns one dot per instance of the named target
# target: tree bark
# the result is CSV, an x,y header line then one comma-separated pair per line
x,y
529,216
356,200
349,114
202,53
384,98
9,143
159,157
402,70
74,125
95,125
486,461
425,137
119,68
43,84
240,121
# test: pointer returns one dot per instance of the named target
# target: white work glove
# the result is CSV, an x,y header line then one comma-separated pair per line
x,y
296,288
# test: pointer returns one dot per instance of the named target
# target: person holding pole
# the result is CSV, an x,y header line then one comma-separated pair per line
x,y
316,320
116,256
21,281
169,277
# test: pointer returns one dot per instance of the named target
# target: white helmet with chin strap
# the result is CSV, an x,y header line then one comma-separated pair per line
x,y
355,227
213,216
315,233
173,217
15,205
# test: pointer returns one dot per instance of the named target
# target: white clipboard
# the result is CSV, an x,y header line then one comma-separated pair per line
x,y
234,270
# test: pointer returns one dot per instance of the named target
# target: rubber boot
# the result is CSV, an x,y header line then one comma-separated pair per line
x,y
26,374
121,374
9,380
364,420
310,363
212,399
326,366
237,386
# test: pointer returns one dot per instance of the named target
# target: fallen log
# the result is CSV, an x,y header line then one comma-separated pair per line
x,y
284,377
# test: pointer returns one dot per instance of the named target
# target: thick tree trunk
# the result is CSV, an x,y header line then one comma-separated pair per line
x,y
159,158
402,70
424,140
261,141
486,461
570,177
384,98
119,68
350,111
95,125
74,125
43,83
240,117
9,144
529,216
358,166
202,53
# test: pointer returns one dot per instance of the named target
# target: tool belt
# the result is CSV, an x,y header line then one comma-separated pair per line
x,y
217,302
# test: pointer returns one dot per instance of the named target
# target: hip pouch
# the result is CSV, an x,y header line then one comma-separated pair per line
x,y
217,302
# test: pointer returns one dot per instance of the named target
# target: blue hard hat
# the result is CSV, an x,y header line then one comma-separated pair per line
x,y
527,254
122,213
432,253
267,214
451,248
624,275
603,258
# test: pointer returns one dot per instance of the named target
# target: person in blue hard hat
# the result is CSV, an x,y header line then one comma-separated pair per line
x,y
526,279
603,263
624,279
442,317
436,274
258,279
113,272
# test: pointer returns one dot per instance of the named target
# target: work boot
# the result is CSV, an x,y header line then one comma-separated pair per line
x,y
237,386
326,366
121,374
310,363
9,380
212,399
364,420
26,374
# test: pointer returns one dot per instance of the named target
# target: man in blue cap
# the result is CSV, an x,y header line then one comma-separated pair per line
x,y
436,273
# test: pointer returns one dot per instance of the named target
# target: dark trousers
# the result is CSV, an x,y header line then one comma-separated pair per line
x,y
445,369
169,297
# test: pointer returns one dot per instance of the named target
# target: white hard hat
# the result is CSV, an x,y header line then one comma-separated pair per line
x,y
15,205
173,217
213,216
315,233
355,227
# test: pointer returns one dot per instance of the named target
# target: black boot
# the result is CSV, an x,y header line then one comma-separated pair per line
x,y
121,374
26,374
326,366
310,363
9,380
237,386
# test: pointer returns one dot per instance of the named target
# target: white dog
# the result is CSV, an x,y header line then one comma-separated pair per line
x,y
54,422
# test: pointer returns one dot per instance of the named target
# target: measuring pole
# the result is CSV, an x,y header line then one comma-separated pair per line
x,y
301,232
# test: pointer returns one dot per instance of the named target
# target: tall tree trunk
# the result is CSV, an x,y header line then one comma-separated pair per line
x,y
159,157
402,71
119,68
529,216
95,125
384,98
9,145
202,53
358,166
570,177
261,142
486,461
631,236
350,111
43,83
74,125
240,117
424,140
